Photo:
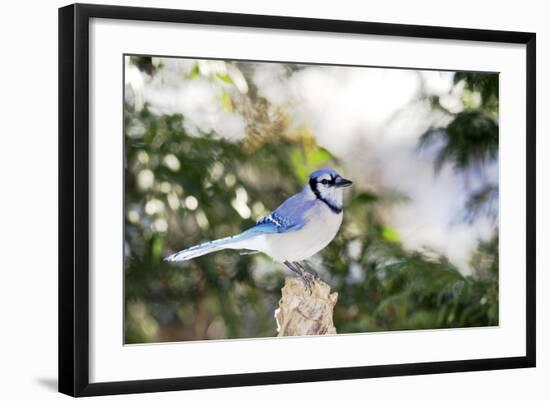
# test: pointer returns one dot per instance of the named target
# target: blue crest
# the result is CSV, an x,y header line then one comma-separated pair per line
x,y
320,172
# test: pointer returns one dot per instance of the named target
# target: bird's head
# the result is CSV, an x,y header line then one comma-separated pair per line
x,y
327,185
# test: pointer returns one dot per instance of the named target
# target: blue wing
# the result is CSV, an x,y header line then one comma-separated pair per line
x,y
289,216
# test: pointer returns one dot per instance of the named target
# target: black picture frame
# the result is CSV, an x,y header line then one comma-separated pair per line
x,y
74,198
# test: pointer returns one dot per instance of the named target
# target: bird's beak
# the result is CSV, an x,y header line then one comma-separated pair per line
x,y
342,182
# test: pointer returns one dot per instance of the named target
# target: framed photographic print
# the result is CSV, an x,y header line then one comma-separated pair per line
x,y
250,199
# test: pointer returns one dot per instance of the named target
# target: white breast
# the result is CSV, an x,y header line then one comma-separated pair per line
x,y
321,228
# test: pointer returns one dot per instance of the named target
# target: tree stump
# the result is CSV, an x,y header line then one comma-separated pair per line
x,y
303,313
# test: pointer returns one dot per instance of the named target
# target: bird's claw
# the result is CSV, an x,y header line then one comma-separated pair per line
x,y
306,276
308,279
308,270
315,274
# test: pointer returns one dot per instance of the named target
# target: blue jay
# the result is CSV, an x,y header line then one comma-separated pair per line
x,y
300,227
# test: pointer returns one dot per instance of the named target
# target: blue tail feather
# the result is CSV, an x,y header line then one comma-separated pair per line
x,y
212,246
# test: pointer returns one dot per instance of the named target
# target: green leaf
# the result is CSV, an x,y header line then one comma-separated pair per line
x,y
157,247
195,73
224,77
318,157
226,102
366,197
390,234
299,164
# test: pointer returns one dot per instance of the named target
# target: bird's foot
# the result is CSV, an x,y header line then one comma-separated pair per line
x,y
307,270
308,279
314,274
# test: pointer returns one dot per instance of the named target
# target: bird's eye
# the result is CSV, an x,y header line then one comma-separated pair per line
x,y
324,181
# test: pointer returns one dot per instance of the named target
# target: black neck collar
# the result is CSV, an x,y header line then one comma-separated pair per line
x,y
331,206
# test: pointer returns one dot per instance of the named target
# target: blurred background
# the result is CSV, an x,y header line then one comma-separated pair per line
x,y
211,146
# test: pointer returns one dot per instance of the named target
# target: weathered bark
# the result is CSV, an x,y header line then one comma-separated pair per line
x,y
302,312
